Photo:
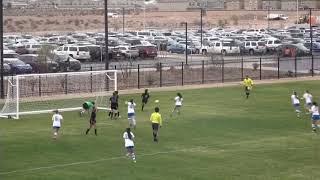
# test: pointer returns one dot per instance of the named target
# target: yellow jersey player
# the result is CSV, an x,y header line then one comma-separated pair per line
x,y
156,121
248,84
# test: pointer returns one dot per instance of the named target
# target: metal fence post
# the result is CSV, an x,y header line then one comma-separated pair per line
x,y
312,66
182,70
241,68
222,71
295,66
39,85
202,77
66,84
278,67
115,67
260,69
91,80
160,68
138,76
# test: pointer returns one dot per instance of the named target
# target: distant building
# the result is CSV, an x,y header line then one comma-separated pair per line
x,y
252,4
215,4
173,5
305,4
271,4
233,4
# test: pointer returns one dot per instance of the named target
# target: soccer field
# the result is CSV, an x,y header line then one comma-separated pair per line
x,y
219,135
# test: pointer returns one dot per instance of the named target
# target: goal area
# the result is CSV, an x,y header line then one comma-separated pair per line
x,y
44,93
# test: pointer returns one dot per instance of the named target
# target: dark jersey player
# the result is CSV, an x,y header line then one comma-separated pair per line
x,y
145,97
93,121
113,105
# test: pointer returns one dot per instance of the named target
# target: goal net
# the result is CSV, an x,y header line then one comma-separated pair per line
x,y
43,93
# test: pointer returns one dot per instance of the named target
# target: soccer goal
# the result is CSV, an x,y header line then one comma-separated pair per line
x,y
43,93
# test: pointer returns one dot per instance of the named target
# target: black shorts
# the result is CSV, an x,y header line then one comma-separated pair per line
x,y
114,106
144,101
247,89
155,126
93,121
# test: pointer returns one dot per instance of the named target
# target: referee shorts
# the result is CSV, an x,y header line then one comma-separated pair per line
x,y
155,126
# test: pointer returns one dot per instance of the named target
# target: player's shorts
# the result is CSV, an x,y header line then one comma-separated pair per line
x,y
56,127
114,106
247,88
130,148
145,101
93,121
155,126
178,106
315,117
296,105
130,115
309,105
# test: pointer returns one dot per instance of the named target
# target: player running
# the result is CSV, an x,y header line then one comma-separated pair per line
x,y
145,97
178,103
156,121
93,121
296,103
315,116
308,99
248,84
113,105
131,114
87,106
56,123
128,137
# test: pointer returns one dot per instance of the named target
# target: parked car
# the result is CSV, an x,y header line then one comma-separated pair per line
x,y
273,44
224,48
178,48
67,63
147,51
32,48
254,47
315,47
95,52
48,66
77,52
293,50
129,51
17,66
6,69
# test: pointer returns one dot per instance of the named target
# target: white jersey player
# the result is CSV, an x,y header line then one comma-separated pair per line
x,y
128,137
178,103
308,100
56,123
131,113
296,103
315,117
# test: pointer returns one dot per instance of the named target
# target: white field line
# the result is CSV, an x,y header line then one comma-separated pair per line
x,y
194,149
49,129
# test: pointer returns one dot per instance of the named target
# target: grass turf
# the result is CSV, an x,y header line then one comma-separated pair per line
x,y
219,135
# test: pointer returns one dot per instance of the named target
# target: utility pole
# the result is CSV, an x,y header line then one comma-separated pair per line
x,y
311,31
1,50
123,20
201,25
106,31
186,42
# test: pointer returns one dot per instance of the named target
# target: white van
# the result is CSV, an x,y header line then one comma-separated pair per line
x,y
77,52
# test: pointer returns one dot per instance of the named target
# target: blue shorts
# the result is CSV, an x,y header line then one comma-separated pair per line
x,y
315,117
56,127
309,104
130,115
296,105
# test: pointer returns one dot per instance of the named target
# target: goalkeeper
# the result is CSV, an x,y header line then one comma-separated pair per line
x,y
248,84
87,106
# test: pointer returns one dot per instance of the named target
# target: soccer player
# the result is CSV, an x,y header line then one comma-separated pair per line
x,y
93,121
145,97
308,98
87,106
296,103
178,103
248,84
56,123
131,114
128,137
114,105
315,116
156,121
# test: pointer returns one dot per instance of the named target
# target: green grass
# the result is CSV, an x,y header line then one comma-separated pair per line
x,y
219,135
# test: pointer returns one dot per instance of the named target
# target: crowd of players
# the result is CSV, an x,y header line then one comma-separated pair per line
x,y
128,135
156,119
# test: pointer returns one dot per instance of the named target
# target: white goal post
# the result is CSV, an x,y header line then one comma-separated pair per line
x,y
44,93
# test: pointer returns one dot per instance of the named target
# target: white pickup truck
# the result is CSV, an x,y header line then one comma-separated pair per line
x,y
224,48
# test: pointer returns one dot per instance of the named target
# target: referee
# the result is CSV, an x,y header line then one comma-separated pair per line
x,y
156,122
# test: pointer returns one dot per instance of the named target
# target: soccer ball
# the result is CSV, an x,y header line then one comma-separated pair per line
x,y
156,101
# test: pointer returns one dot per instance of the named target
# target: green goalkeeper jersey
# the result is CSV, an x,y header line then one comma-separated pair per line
x,y
88,105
